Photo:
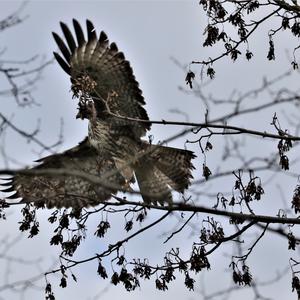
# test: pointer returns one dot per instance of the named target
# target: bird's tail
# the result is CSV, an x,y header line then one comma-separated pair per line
x,y
161,170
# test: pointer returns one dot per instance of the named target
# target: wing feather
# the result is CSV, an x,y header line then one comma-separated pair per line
x,y
91,31
62,47
79,33
68,191
8,190
68,36
102,38
62,63
106,65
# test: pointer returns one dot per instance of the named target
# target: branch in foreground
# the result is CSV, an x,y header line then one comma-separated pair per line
x,y
175,207
198,126
111,248
203,209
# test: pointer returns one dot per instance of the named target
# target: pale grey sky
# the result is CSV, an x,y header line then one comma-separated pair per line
x,y
149,33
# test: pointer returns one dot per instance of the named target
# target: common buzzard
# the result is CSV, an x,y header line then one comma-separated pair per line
x,y
110,98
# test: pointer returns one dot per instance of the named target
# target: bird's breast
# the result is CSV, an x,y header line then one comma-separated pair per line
x,y
99,136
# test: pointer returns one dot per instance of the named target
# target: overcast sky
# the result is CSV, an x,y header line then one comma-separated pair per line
x,y
150,33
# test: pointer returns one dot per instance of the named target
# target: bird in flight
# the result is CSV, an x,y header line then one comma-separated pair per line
x,y
114,152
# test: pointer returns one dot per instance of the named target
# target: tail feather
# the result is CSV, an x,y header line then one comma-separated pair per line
x,y
153,184
175,164
161,170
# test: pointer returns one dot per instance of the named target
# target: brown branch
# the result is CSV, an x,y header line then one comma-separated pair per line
x,y
257,23
202,209
26,135
174,207
231,237
181,227
197,126
111,248
285,5
244,257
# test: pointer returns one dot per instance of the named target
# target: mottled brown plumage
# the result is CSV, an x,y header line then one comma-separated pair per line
x,y
68,191
106,66
108,94
103,81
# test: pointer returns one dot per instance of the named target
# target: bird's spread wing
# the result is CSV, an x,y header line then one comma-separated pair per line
x,y
98,65
67,190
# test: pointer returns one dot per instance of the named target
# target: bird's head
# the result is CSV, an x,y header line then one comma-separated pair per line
x,y
86,110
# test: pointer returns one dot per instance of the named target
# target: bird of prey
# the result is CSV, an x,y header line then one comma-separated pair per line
x,y
110,98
